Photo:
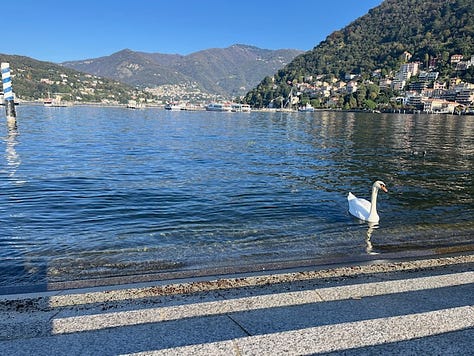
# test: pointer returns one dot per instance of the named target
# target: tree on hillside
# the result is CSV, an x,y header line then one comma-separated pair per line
x,y
426,29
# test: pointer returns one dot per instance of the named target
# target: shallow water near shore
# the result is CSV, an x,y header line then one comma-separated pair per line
x,y
91,192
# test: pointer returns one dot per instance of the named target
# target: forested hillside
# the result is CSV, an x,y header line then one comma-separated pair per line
x,y
33,80
427,29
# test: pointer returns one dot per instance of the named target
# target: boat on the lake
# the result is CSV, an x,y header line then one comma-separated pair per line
x,y
219,107
240,108
174,106
48,102
306,108
55,102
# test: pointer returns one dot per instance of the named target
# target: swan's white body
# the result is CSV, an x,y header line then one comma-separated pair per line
x,y
363,209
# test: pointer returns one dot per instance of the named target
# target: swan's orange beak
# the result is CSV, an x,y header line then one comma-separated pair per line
x,y
384,188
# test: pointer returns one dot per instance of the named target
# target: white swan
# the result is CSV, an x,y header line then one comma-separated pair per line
x,y
363,209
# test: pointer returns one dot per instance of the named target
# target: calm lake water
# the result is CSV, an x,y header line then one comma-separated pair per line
x,y
93,192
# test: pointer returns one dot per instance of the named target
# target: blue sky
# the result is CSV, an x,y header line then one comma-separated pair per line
x,y
57,31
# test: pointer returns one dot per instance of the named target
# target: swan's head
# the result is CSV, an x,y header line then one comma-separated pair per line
x,y
380,185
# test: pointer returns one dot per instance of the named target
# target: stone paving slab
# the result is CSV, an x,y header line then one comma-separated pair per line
x,y
412,307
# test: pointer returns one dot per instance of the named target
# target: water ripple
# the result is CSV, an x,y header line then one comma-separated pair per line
x,y
92,192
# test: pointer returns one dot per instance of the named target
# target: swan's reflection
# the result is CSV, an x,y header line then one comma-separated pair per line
x,y
368,243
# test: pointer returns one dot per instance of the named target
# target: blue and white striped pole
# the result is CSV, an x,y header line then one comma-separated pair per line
x,y
8,91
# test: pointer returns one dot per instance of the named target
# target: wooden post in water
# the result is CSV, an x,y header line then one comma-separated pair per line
x,y
8,98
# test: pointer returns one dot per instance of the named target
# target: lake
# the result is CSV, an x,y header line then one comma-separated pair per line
x,y
90,192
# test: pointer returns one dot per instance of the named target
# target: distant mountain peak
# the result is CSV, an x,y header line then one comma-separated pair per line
x,y
227,71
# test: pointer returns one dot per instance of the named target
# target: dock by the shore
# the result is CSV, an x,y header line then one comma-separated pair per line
x,y
423,306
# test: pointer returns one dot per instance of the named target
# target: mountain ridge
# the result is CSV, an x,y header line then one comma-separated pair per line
x,y
230,71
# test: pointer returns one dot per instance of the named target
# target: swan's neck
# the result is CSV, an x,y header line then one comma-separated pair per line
x,y
373,216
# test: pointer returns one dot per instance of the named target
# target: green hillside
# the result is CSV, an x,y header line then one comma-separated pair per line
x,y
35,80
430,30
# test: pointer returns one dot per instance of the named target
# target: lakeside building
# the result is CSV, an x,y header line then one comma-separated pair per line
x,y
419,88
439,106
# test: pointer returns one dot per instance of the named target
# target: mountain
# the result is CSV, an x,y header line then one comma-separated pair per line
x,y
33,80
427,31
227,71
132,68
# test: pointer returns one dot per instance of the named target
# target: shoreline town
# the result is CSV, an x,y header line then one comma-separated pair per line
x,y
230,107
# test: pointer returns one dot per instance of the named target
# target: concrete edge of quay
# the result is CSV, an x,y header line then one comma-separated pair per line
x,y
40,301
414,305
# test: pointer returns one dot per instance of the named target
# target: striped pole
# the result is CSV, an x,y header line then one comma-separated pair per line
x,y
8,91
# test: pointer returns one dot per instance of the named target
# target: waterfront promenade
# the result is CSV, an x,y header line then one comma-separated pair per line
x,y
423,306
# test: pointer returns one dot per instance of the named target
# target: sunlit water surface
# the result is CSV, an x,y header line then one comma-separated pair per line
x,y
94,192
